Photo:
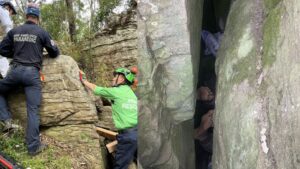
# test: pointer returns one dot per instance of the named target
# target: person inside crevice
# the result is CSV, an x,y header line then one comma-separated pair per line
x,y
203,132
213,26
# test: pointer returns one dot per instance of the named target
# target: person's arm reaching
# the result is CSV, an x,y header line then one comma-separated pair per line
x,y
89,85
108,93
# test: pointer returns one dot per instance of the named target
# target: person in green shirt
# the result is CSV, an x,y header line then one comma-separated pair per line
x,y
124,113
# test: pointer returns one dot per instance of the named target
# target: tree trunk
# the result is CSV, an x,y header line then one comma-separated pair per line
x,y
71,20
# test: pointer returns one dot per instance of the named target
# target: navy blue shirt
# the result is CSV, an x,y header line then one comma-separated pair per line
x,y
25,44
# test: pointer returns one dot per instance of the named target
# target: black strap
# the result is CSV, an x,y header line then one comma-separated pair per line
x,y
128,130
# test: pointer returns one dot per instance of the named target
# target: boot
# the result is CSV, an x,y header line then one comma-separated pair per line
x,y
40,149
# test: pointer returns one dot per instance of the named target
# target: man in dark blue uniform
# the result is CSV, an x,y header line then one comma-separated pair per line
x,y
25,45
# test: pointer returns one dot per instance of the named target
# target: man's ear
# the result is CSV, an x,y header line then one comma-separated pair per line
x,y
123,78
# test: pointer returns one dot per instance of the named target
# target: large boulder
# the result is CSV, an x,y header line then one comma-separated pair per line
x,y
169,52
67,113
82,142
257,117
64,99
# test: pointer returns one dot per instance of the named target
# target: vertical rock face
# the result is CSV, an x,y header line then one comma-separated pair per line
x,y
169,47
257,118
114,47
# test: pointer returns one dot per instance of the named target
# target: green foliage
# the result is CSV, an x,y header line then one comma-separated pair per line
x,y
15,147
104,75
53,19
56,24
83,30
86,63
71,49
18,19
106,7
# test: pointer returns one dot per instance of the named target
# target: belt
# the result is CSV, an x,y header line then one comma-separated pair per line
x,y
128,130
14,65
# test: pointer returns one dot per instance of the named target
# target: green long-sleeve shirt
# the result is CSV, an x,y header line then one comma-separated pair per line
x,y
124,105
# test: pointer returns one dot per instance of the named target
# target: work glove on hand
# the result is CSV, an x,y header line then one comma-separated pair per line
x,y
82,76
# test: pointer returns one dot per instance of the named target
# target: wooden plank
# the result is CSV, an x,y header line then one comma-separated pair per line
x,y
106,133
111,147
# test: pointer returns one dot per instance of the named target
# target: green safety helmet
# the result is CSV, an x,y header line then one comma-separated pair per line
x,y
129,76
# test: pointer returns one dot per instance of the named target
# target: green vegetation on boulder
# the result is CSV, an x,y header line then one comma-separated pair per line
x,y
270,4
271,33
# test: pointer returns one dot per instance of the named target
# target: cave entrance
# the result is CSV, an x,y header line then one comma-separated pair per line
x,y
214,18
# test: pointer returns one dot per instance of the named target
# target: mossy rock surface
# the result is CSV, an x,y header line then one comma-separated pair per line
x,y
258,91
82,143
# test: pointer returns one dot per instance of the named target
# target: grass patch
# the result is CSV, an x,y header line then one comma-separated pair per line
x,y
15,147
